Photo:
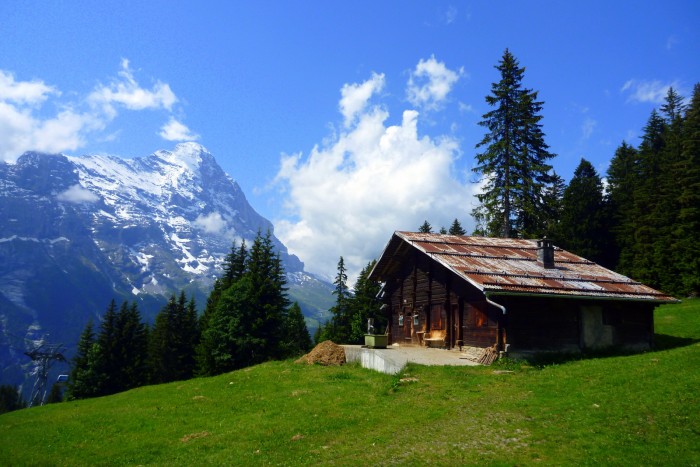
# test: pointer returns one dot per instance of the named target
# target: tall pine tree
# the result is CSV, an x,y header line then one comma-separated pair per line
x,y
623,177
173,341
340,329
297,340
364,305
581,229
248,322
514,165
686,239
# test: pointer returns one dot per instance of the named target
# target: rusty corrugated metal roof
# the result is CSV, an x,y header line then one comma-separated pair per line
x,y
502,266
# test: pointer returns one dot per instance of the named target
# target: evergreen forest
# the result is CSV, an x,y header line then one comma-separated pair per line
x,y
642,219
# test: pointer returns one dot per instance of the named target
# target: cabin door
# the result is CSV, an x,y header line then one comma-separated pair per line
x,y
456,335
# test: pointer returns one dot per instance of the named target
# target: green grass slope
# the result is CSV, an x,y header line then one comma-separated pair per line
x,y
626,410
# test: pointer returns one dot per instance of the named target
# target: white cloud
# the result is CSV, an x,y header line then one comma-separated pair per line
x,y
25,126
23,92
78,194
430,83
212,223
451,14
126,91
466,108
21,130
177,131
347,196
647,91
588,127
356,96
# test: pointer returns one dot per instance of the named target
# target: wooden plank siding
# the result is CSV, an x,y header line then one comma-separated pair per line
x,y
426,291
438,285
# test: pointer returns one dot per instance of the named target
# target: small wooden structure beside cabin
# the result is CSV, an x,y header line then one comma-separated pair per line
x,y
517,295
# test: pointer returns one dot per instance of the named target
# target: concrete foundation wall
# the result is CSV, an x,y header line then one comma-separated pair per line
x,y
373,359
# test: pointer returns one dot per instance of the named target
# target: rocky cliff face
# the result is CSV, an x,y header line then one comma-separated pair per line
x,y
76,232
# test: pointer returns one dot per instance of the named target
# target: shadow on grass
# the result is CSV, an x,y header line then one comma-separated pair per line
x,y
661,342
665,342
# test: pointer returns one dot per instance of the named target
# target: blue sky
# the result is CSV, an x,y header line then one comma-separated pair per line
x,y
342,122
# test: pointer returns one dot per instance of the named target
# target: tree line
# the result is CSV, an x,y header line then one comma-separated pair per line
x,y
642,220
352,310
247,320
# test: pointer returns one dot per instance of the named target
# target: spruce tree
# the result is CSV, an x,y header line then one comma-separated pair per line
x,y
514,162
581,228
645,210
132,351
234,268
268,279
297,341
623,177
425,227
87,378
340,329
173,341
248,322
456,228
231,341
77,384
105,358
364,305
163,344
686,253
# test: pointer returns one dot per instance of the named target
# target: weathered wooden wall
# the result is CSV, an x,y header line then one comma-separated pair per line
x,y
454,309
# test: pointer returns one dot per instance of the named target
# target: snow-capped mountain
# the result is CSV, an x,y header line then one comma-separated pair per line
x,y
76,232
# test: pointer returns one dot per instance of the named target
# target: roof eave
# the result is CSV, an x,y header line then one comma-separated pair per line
x,y
656,301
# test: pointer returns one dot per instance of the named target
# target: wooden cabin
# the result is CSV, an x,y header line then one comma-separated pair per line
x,y
517,295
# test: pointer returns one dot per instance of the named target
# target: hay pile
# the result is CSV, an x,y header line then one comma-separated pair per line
x,y
326,353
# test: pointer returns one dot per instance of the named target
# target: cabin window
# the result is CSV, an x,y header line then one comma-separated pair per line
x,y
436,317
400,320
478,319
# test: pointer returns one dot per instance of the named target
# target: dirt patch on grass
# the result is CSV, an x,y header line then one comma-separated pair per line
x,y
325,353
191,436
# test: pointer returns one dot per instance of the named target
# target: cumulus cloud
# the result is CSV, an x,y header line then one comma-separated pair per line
x,y
177,131
430,83
23,92
21,130
126,91
646,91
77,194
346,197
25,125
212,223
355,97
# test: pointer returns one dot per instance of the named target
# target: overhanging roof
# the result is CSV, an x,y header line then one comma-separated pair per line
x,y
504,266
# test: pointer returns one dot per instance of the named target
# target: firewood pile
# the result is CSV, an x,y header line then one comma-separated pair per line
x,y
479,355
489,355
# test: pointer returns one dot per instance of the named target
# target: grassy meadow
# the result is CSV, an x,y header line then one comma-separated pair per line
x,y
641,409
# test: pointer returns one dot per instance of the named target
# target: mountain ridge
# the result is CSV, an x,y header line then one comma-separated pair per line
x,y
77,231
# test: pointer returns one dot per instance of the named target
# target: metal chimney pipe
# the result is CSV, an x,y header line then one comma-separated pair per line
x,y
545,253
